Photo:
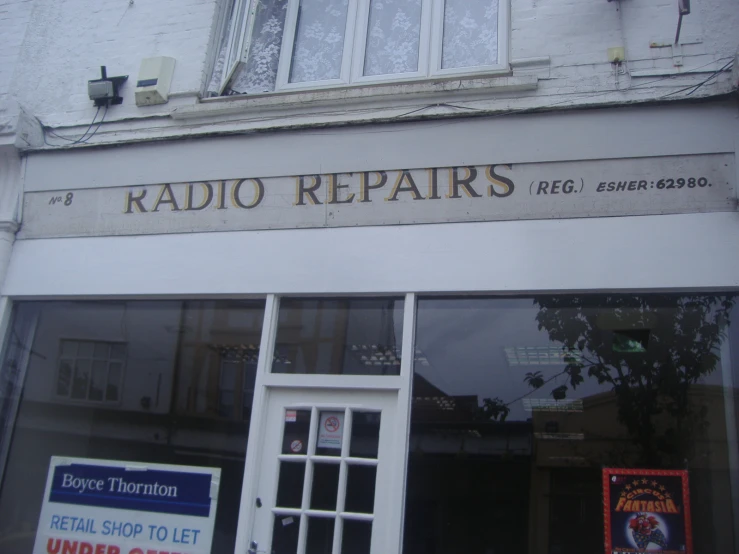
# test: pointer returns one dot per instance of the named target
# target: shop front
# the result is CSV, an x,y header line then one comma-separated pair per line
x,y
477,336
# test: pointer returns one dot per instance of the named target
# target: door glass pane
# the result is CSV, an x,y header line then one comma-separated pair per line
x,y
393,37
330,433
353,336
470,33
320,535
357,537
325,486
297,429
290,485
319,40
365,434
360,489
285,534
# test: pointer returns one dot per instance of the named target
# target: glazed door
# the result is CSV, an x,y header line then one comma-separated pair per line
x,y
326,473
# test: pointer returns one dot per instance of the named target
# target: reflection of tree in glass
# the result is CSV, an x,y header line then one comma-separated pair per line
x,y
493,408
671,342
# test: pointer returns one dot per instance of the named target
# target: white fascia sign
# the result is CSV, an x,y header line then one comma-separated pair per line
x,y
113,507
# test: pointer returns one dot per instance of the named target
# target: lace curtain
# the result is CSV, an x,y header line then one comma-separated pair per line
x,y
393,41
393,37
259,73
470,33
319,40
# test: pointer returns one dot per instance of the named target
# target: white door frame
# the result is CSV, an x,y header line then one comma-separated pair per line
x,y
266,381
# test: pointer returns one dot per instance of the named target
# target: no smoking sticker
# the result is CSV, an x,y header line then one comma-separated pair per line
x,y
332,424
296,446
331,430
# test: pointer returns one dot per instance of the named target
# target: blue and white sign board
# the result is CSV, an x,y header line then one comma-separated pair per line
x,y
113,507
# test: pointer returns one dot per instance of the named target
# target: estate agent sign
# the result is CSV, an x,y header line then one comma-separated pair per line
x,y
112,507
593,188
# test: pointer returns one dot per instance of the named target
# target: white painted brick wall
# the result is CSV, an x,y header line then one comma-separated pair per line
x,y
48,55
68,41
14,17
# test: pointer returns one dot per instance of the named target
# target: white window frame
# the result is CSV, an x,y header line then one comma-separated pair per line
x,y
288,42
360,47
267,381
355,43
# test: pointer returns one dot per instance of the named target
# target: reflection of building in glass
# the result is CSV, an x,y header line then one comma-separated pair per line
x,y
444,424
339,336
158,382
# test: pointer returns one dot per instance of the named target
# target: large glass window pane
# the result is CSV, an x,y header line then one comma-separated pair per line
x,y
470,33
319,40
393,37
137,381
518,404
354,336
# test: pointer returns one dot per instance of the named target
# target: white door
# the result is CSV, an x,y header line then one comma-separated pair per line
x,y
327,481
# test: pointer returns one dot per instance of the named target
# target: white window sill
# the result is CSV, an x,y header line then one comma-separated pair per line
x,y
387,95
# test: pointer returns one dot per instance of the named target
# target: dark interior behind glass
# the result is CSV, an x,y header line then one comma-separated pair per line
x,y
351,336
146,381
518,404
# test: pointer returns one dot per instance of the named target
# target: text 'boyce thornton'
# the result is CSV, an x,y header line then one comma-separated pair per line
x,y
116,484
333,188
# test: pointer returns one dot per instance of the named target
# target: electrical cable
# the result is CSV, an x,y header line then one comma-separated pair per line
x,y
704,82
532,109
87,140
73,141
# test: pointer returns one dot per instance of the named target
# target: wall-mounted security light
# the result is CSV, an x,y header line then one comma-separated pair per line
x,y
104,91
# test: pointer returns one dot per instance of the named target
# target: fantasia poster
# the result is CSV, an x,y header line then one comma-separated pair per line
x,y
646,511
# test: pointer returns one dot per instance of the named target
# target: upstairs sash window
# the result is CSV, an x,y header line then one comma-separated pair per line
x,y
277,45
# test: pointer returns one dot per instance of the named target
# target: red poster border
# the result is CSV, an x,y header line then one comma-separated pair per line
x,y
683,474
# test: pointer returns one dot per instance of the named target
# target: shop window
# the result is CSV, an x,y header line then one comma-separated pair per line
x,y
519,404
90,370
296,44
339,336
169,406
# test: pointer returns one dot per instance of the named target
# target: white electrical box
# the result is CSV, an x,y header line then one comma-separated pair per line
x,y
155,78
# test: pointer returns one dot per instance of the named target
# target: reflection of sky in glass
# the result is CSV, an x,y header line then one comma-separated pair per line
x,y
464,341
